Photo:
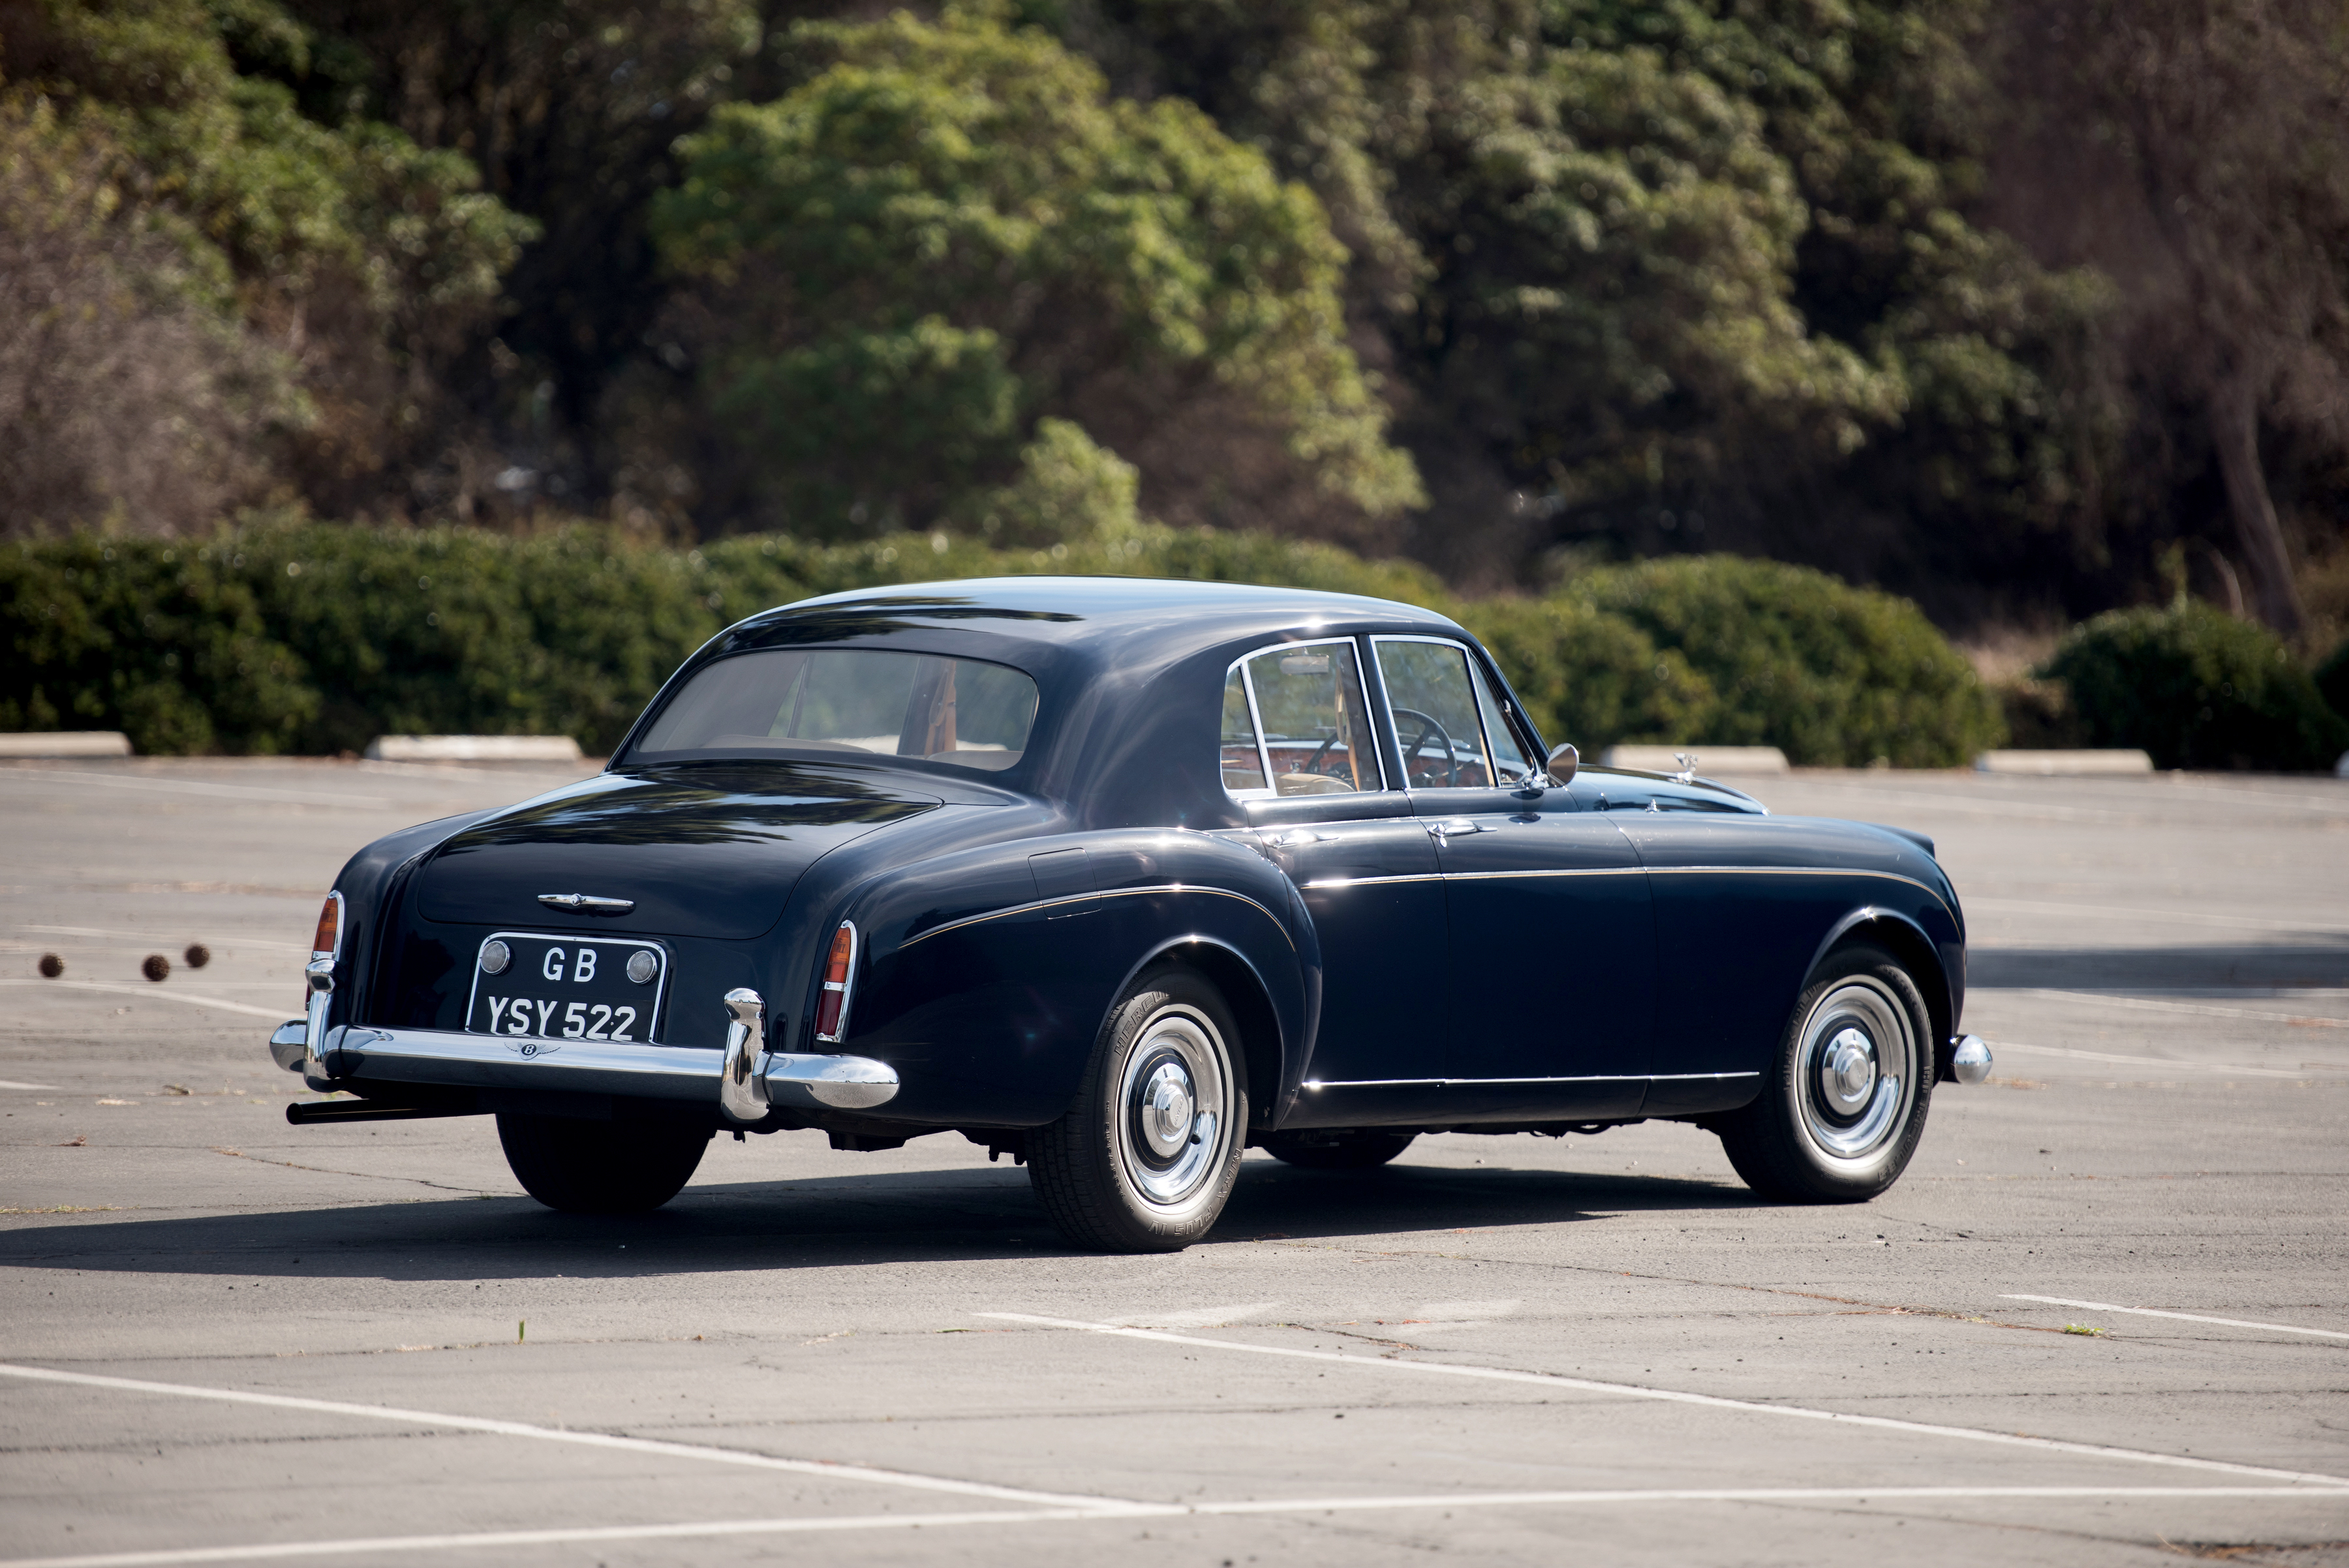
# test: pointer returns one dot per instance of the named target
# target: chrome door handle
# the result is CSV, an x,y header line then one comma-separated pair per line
x,y
1458,827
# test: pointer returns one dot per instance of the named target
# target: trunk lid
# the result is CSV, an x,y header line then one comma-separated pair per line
x,y
700,851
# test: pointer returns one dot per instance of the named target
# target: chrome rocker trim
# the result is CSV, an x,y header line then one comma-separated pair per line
x,y
590,1066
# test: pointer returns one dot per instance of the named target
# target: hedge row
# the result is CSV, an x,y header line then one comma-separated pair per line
x,y
2196,688
315,637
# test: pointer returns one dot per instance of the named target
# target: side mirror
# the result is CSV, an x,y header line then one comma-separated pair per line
x,y
1563,760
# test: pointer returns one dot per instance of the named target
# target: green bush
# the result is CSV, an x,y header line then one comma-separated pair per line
x,y
165,642
2197,689
286,635
1592,678
1833,675
2332,681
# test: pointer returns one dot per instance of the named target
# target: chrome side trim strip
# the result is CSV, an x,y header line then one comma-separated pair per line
x,y
1488,1083
1476,876
1797,871
1035,905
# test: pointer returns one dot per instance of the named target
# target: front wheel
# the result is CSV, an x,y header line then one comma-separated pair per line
x,y
600,1168
1843,1106
1144,1161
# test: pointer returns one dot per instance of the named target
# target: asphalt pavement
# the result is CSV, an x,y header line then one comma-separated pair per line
x,y
2102,1319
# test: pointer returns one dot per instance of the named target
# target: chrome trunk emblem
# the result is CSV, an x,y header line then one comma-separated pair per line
x,y
586,903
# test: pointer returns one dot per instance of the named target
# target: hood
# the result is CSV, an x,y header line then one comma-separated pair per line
x,y
700,851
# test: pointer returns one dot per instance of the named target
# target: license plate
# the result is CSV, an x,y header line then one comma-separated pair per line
x,y
532,985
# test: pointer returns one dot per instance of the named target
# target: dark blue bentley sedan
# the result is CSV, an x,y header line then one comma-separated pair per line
x,y
1121,877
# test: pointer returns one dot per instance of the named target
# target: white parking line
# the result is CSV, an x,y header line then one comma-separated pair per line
x,y
1677,1396
2155,1004
1459,1502
2179,917
1196,1317
825,1468
2229,1069
153,994
2186,1316
193,787
144,937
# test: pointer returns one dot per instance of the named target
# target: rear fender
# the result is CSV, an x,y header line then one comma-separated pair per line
x,y
1269,1051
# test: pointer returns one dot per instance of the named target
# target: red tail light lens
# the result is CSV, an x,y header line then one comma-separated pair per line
x,y
328,943
839,967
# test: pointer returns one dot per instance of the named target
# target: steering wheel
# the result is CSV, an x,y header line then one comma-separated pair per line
x,y
1313,763
1429,727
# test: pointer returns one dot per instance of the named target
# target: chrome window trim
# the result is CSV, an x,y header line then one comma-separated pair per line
x,y
1469,657
1372,718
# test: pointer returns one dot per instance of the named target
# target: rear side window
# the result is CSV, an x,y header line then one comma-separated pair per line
x,y
878,701
1295,723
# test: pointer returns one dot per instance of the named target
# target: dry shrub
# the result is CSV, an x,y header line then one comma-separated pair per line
x,y
127,389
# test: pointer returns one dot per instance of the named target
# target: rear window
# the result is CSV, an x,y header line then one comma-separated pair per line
x,y
963,712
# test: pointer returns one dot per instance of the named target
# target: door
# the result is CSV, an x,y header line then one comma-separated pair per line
x,y
1298,751
1552,935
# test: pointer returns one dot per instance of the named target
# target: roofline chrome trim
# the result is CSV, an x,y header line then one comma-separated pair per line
x,y
1035,905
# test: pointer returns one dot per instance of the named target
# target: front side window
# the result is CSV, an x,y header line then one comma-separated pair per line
x,y
1448,719
878,701
1295,716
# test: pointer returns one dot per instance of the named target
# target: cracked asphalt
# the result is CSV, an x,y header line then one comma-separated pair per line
x,y
223,1338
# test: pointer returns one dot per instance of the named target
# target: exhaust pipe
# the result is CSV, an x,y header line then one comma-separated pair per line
x,y
316,1112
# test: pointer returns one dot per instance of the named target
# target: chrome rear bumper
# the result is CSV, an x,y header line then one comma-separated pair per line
x,y
590,1066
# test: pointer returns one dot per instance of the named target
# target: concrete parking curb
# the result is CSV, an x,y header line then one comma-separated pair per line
x,y
2072,765
64,744
473,749
1705,759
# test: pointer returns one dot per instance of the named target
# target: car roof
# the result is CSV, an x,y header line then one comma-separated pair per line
x,y
1076,613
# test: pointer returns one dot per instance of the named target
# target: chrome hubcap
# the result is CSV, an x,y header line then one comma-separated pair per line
x,y
1853,1074
1850,1071
1173,1097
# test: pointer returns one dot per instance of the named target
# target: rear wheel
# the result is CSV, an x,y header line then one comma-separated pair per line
x,y
1844,1104
1144,1161
600,1168
1358,1148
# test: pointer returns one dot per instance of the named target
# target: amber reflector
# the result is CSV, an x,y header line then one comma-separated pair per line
x,y
836,981
330,926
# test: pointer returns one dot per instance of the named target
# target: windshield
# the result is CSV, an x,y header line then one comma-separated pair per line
x,y
962,711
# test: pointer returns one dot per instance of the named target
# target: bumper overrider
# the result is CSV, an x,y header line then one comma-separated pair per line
x,y
745,1078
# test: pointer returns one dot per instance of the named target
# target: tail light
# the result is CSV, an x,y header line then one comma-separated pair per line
x,y
328,943
839,974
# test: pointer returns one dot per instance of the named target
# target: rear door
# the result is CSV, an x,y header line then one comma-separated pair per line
x,y
1299,751
1551,932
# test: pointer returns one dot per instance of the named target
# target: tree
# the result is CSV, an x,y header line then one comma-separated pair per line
x,y
2196,152
952,230
356,253
130,390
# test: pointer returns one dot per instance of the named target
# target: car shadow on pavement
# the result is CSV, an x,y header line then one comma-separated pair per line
x,y
893,1217
2315,962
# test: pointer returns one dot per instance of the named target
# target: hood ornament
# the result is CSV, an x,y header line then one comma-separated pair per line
x,y
586,903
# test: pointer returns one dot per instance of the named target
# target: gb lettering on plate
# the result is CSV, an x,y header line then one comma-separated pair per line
x,y
550,1018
